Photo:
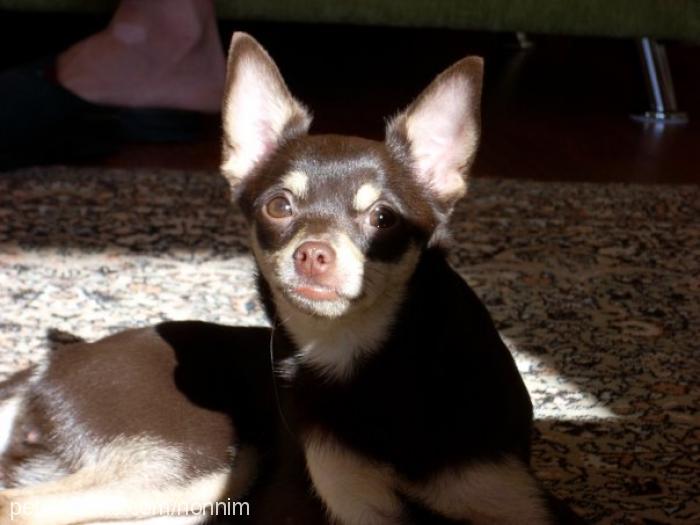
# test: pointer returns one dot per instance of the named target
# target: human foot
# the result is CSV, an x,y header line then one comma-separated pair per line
x,y
161,53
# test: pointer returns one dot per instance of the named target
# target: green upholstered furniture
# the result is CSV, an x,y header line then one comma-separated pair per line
x,y
678,19
646,20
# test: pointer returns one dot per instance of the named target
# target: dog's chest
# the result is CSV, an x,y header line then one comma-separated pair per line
x,y
388,412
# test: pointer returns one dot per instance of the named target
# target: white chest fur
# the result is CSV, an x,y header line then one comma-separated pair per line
x,y
335,346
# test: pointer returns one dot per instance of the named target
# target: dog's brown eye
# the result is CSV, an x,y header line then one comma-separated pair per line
x,y
382,217
279,208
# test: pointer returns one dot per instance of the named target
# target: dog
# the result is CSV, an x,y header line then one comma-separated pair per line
x,y
390,398
408,405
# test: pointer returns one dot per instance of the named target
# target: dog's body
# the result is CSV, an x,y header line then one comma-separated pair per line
x,y
133,425
404,403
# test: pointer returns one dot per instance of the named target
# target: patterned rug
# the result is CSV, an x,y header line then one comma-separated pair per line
x,y
595,288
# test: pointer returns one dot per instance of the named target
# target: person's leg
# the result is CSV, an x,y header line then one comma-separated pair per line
x,y
155,53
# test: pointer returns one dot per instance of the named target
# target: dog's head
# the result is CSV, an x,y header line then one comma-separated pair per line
x,y
338,222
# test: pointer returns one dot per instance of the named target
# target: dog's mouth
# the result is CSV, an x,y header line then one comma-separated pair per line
x,y
314,292
317,299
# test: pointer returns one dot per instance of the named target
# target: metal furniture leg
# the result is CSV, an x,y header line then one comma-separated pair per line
x,y
657,74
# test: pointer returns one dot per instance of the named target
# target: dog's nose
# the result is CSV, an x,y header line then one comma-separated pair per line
x,y
313,259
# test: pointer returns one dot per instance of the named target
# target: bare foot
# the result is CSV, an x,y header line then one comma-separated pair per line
x,y
160,53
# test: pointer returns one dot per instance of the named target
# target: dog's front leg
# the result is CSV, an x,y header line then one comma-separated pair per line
x,y
354,490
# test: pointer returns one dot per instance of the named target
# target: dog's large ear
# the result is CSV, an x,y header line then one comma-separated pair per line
x,y
439,131
258,112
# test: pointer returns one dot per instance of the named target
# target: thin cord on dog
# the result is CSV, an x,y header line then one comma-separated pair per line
x,y
275,386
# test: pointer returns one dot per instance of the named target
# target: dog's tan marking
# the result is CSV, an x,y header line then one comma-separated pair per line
x,y
132,481
366,196
359,491
355,490
85,498
350,263
489,493
297,182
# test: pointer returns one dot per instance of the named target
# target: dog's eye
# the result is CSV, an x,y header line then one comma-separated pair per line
x,y
383,217
279,208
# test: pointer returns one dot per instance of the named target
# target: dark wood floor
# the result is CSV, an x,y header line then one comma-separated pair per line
x,y
558,111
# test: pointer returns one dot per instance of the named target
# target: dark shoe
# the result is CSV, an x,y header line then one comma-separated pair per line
x,y
41,122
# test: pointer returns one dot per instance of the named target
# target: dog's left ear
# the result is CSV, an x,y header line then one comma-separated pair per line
x,y
439,131
259,112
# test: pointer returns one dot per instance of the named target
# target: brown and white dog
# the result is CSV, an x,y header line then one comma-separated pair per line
x,y
399,400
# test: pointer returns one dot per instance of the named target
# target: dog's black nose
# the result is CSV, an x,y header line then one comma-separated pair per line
x,y
313,259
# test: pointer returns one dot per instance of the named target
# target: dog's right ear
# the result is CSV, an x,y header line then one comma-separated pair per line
x,y
258,112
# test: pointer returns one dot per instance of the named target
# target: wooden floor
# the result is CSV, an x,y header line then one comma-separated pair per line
x,y
557,111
